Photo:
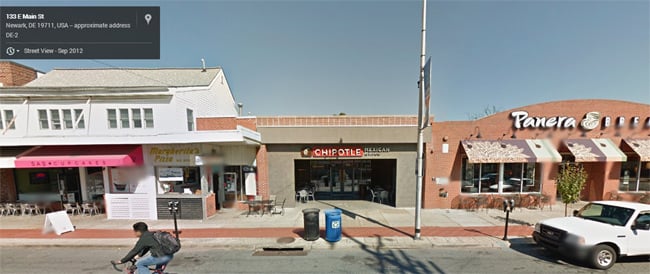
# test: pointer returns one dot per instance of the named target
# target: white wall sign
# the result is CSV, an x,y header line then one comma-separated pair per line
x,y
251,184
59,222
167,174
445,148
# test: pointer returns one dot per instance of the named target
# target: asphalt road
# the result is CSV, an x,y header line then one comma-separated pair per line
x,y
522,257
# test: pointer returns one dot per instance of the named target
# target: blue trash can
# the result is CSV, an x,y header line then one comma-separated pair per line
x,y
333,225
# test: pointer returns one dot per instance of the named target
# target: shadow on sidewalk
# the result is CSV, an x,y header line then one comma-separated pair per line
x,y
391,260
371,220
481,232
512,221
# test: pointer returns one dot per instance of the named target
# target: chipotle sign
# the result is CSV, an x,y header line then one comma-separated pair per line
x,y
325,152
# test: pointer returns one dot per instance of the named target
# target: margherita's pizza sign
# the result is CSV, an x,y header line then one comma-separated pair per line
x,y
590,121
332,152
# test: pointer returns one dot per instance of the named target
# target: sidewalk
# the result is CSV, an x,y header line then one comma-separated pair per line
x,y
364,224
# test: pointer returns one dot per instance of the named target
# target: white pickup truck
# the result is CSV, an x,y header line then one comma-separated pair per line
x,y
599,233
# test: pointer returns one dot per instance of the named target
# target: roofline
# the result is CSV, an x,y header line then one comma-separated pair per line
x,y
139,68
21,65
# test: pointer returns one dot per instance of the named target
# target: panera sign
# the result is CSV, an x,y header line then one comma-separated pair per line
x,y
342,151
590,121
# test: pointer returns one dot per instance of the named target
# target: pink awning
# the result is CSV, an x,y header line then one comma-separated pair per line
x,y
81,156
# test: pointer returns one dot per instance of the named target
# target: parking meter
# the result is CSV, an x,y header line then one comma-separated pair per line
x,y
508,206
172,206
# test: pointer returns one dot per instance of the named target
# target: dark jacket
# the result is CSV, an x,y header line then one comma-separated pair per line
x,y
144,244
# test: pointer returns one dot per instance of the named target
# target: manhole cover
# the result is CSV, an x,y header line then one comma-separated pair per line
x,y
285,240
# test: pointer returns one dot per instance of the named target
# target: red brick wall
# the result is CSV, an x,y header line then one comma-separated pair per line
x,y
7,185
336,120
216,123
225,123
211,205
13,74
262,172
603,177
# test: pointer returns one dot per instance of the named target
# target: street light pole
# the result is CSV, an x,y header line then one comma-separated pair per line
x,y
421,126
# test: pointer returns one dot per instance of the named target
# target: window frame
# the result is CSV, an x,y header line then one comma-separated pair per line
x,y
109,120
122,119
64,124
41,120
190,119
136,122
148,123
500,183
54,122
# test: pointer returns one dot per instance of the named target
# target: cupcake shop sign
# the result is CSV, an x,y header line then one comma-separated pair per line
x,y
591,120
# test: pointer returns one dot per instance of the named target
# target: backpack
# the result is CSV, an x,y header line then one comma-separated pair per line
x,y
168,243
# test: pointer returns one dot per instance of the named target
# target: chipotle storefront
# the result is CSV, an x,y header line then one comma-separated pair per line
x,y
518,153
341,157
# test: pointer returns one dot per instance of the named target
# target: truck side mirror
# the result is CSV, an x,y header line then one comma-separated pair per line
x,y
641,226
575,213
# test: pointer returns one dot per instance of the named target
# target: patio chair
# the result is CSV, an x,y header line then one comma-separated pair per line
x,y
11,209
27,209
69,208
310,193
3,210
278,209
89,208
383,196
374,195
303,196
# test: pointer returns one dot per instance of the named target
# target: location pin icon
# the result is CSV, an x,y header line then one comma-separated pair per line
x,y
147,17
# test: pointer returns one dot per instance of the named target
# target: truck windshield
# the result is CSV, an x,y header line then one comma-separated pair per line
x,y
608,214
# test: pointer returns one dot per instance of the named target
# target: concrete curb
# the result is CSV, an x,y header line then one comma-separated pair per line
x,y
260,243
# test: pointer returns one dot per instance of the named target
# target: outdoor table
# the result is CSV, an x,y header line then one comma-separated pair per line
x,y
257,203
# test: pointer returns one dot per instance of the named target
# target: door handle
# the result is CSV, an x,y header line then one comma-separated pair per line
x,y
620,236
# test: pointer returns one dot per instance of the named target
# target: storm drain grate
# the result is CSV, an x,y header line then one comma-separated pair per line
x,y
282,251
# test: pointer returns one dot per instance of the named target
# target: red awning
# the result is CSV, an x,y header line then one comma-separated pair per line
x,y
81,156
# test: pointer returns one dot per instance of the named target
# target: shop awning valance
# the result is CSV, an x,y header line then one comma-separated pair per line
x,y
595,150
641,147
510,151
80,156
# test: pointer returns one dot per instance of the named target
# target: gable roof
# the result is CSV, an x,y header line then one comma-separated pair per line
x,y
127,77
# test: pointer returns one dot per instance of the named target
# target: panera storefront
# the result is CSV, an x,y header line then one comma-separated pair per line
x,y
519,152
342,157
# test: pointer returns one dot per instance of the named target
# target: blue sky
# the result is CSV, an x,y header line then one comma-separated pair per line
x,y
362,57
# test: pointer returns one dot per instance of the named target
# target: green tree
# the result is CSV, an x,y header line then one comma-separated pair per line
x,y
570,183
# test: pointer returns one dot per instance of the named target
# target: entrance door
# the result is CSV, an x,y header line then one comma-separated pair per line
x,y
72,184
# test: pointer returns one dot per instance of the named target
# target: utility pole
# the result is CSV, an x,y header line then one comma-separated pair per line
x,y
422,125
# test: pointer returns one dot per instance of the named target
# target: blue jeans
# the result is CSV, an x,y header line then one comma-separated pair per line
x,y
144,263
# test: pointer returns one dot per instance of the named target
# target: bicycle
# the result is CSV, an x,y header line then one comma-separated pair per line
x,y
130,267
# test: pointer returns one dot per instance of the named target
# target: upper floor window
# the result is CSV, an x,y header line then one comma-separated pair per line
x,y
130,118
7,119
58,119
190,120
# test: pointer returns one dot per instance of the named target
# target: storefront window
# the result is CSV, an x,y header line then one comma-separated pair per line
x,y
635,176
185,180
95,182
484,178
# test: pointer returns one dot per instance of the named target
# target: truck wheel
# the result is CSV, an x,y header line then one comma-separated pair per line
x,y
603,257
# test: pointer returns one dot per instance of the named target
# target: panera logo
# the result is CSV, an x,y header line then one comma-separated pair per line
x,y
590,121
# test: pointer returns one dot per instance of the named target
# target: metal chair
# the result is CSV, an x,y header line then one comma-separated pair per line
x,y
69,208
11,209
278,210
310,193
374,196
89,208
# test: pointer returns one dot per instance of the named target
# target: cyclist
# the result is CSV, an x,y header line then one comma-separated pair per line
x,y
146,243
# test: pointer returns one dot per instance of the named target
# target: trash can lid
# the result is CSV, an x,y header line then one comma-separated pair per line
x,y
310,210
334,211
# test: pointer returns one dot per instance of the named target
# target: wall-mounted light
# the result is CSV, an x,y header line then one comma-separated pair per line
x,y
445,139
